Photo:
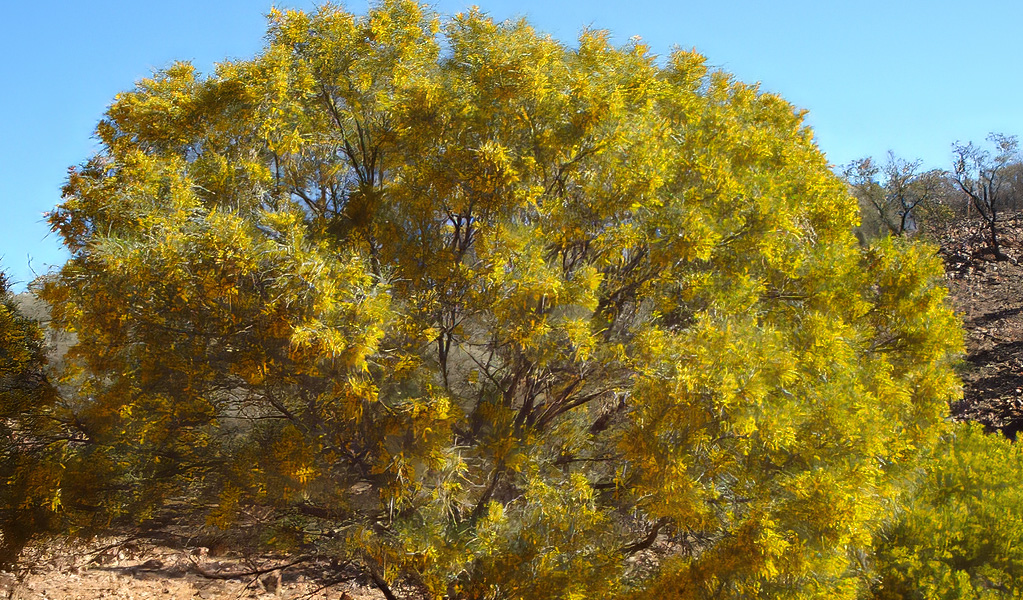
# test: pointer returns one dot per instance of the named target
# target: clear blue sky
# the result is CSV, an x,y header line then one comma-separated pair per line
x,y
910,76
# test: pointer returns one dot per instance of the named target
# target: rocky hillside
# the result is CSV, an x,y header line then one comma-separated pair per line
x,y
989,296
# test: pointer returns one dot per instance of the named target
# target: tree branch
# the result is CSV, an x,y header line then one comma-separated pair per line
x,y
647,541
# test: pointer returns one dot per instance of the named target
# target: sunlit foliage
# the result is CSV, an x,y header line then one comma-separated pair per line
x,y
493,316
962,535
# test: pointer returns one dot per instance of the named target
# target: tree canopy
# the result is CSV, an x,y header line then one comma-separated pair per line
x,y
490,315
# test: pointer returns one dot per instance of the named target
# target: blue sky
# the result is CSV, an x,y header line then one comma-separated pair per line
x,y
909,76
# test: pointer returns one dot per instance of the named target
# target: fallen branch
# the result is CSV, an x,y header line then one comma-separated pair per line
x,y
198,569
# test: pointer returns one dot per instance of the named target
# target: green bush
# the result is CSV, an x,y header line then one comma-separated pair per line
x,y
962,534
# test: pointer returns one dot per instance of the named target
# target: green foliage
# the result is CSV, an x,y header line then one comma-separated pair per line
x,y
962,535
491,315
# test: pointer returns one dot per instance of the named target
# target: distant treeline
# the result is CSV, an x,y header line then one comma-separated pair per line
x,y
898,197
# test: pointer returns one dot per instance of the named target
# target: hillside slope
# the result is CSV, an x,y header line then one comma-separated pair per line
x,y
989,296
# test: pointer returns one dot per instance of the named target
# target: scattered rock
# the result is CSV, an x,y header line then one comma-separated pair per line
x,y
988,294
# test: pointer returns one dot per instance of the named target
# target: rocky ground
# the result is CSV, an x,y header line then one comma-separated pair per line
x,y
987,293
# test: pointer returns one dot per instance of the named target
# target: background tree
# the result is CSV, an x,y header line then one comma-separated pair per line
x,y
896,197
987,180
26,432
490,315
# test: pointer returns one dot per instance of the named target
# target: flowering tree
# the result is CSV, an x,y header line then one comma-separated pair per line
x,y
490,315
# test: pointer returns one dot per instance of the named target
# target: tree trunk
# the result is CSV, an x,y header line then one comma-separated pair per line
x,y
993,239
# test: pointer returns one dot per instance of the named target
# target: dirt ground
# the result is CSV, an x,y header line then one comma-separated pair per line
x,y
132,569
